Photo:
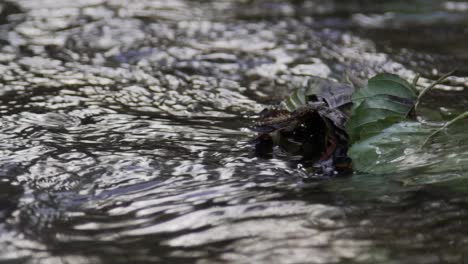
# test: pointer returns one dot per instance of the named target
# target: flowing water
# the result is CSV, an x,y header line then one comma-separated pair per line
x,y
124,135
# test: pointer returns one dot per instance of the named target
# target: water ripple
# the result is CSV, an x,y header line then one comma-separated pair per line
x,y
124,139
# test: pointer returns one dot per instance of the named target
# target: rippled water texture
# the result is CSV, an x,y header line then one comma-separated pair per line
x,y
124,133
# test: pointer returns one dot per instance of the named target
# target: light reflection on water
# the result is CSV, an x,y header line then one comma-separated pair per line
x,y
124,139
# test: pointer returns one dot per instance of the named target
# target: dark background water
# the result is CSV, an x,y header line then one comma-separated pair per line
x,y
124,135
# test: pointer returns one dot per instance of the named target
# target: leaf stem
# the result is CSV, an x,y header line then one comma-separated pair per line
x,y
459,117
425,90
415,80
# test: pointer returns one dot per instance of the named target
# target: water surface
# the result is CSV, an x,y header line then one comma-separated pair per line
x,y
124,133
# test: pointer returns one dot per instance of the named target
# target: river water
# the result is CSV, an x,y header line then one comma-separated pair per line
x,y
124,132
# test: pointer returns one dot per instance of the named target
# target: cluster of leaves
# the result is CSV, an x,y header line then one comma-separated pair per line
x,y
382,125
375,121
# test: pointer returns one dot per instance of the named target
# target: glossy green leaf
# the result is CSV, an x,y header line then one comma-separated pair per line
x,y
385,84
396,152
376,153
386,100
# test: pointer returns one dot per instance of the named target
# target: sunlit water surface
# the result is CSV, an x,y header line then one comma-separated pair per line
x,y
124,137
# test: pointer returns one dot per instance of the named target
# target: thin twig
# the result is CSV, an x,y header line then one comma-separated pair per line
x,y
423,92
415,80
459,117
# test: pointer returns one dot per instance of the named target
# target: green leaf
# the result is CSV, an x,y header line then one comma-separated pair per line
x,y
382,152
375,128
385,84
396,153
386,100
366,116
